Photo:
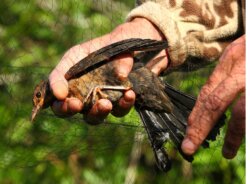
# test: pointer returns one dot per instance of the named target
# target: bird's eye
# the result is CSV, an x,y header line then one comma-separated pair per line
x,y
38,95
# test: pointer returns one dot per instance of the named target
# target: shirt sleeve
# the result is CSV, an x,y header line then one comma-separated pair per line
x,y
198,29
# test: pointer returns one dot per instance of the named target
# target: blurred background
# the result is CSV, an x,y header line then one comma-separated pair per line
x,y
34,35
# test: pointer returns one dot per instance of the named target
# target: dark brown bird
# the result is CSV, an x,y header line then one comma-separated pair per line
x,y
163,110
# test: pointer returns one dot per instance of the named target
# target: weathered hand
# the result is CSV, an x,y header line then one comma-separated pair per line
x,y
222,88
138,28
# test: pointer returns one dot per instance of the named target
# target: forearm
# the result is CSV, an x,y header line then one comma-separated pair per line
x,y
200,29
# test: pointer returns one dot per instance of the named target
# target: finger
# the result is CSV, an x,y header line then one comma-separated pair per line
x,y
68,107
99,112
58,83
159,63
160,66
123,65
202,120
125,104
236,130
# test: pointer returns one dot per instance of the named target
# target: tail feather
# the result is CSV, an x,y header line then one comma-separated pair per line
x,y
163,126
156,129
157,138
176,134
184,104
179,98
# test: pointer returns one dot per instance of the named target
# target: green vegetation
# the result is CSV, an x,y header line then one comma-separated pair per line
x,y
33,36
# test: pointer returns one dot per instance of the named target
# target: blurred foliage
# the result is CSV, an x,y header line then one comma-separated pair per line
x,y
34,35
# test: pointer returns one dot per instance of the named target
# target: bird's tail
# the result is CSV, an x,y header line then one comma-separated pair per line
x,y
162,126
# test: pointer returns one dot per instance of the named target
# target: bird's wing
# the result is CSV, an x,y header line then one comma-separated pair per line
x,y
101,56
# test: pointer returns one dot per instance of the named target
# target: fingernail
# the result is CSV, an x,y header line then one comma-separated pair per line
x,y
188,146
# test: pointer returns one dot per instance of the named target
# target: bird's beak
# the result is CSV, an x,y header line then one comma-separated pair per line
x,y
35,111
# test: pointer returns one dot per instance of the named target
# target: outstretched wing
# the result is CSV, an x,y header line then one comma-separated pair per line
x,y
101,56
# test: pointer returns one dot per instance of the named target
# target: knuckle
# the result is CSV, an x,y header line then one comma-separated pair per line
x,y
200,125
211,80
205,91
213,103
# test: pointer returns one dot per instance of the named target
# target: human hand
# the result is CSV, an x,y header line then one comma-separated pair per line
x,y
222,88
138,28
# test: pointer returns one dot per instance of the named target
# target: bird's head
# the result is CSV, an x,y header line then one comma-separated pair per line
x,y
42,97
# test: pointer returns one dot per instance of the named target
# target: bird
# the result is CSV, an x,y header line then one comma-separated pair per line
x,y
163,109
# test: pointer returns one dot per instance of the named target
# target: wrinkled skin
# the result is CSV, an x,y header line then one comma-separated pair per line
x,y
223,87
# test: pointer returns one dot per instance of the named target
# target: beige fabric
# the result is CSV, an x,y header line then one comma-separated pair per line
x,y
193,28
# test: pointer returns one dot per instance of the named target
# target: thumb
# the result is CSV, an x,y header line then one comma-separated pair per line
x,y
58,84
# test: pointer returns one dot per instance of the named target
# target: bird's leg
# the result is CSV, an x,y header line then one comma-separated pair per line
x,y
98,90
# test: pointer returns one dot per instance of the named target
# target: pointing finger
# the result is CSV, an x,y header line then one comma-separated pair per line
x,y
201,121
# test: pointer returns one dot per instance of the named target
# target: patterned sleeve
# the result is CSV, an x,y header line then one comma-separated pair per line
x,y
198,29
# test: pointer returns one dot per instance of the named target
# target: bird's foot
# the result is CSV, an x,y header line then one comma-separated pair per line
x,y
98,90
